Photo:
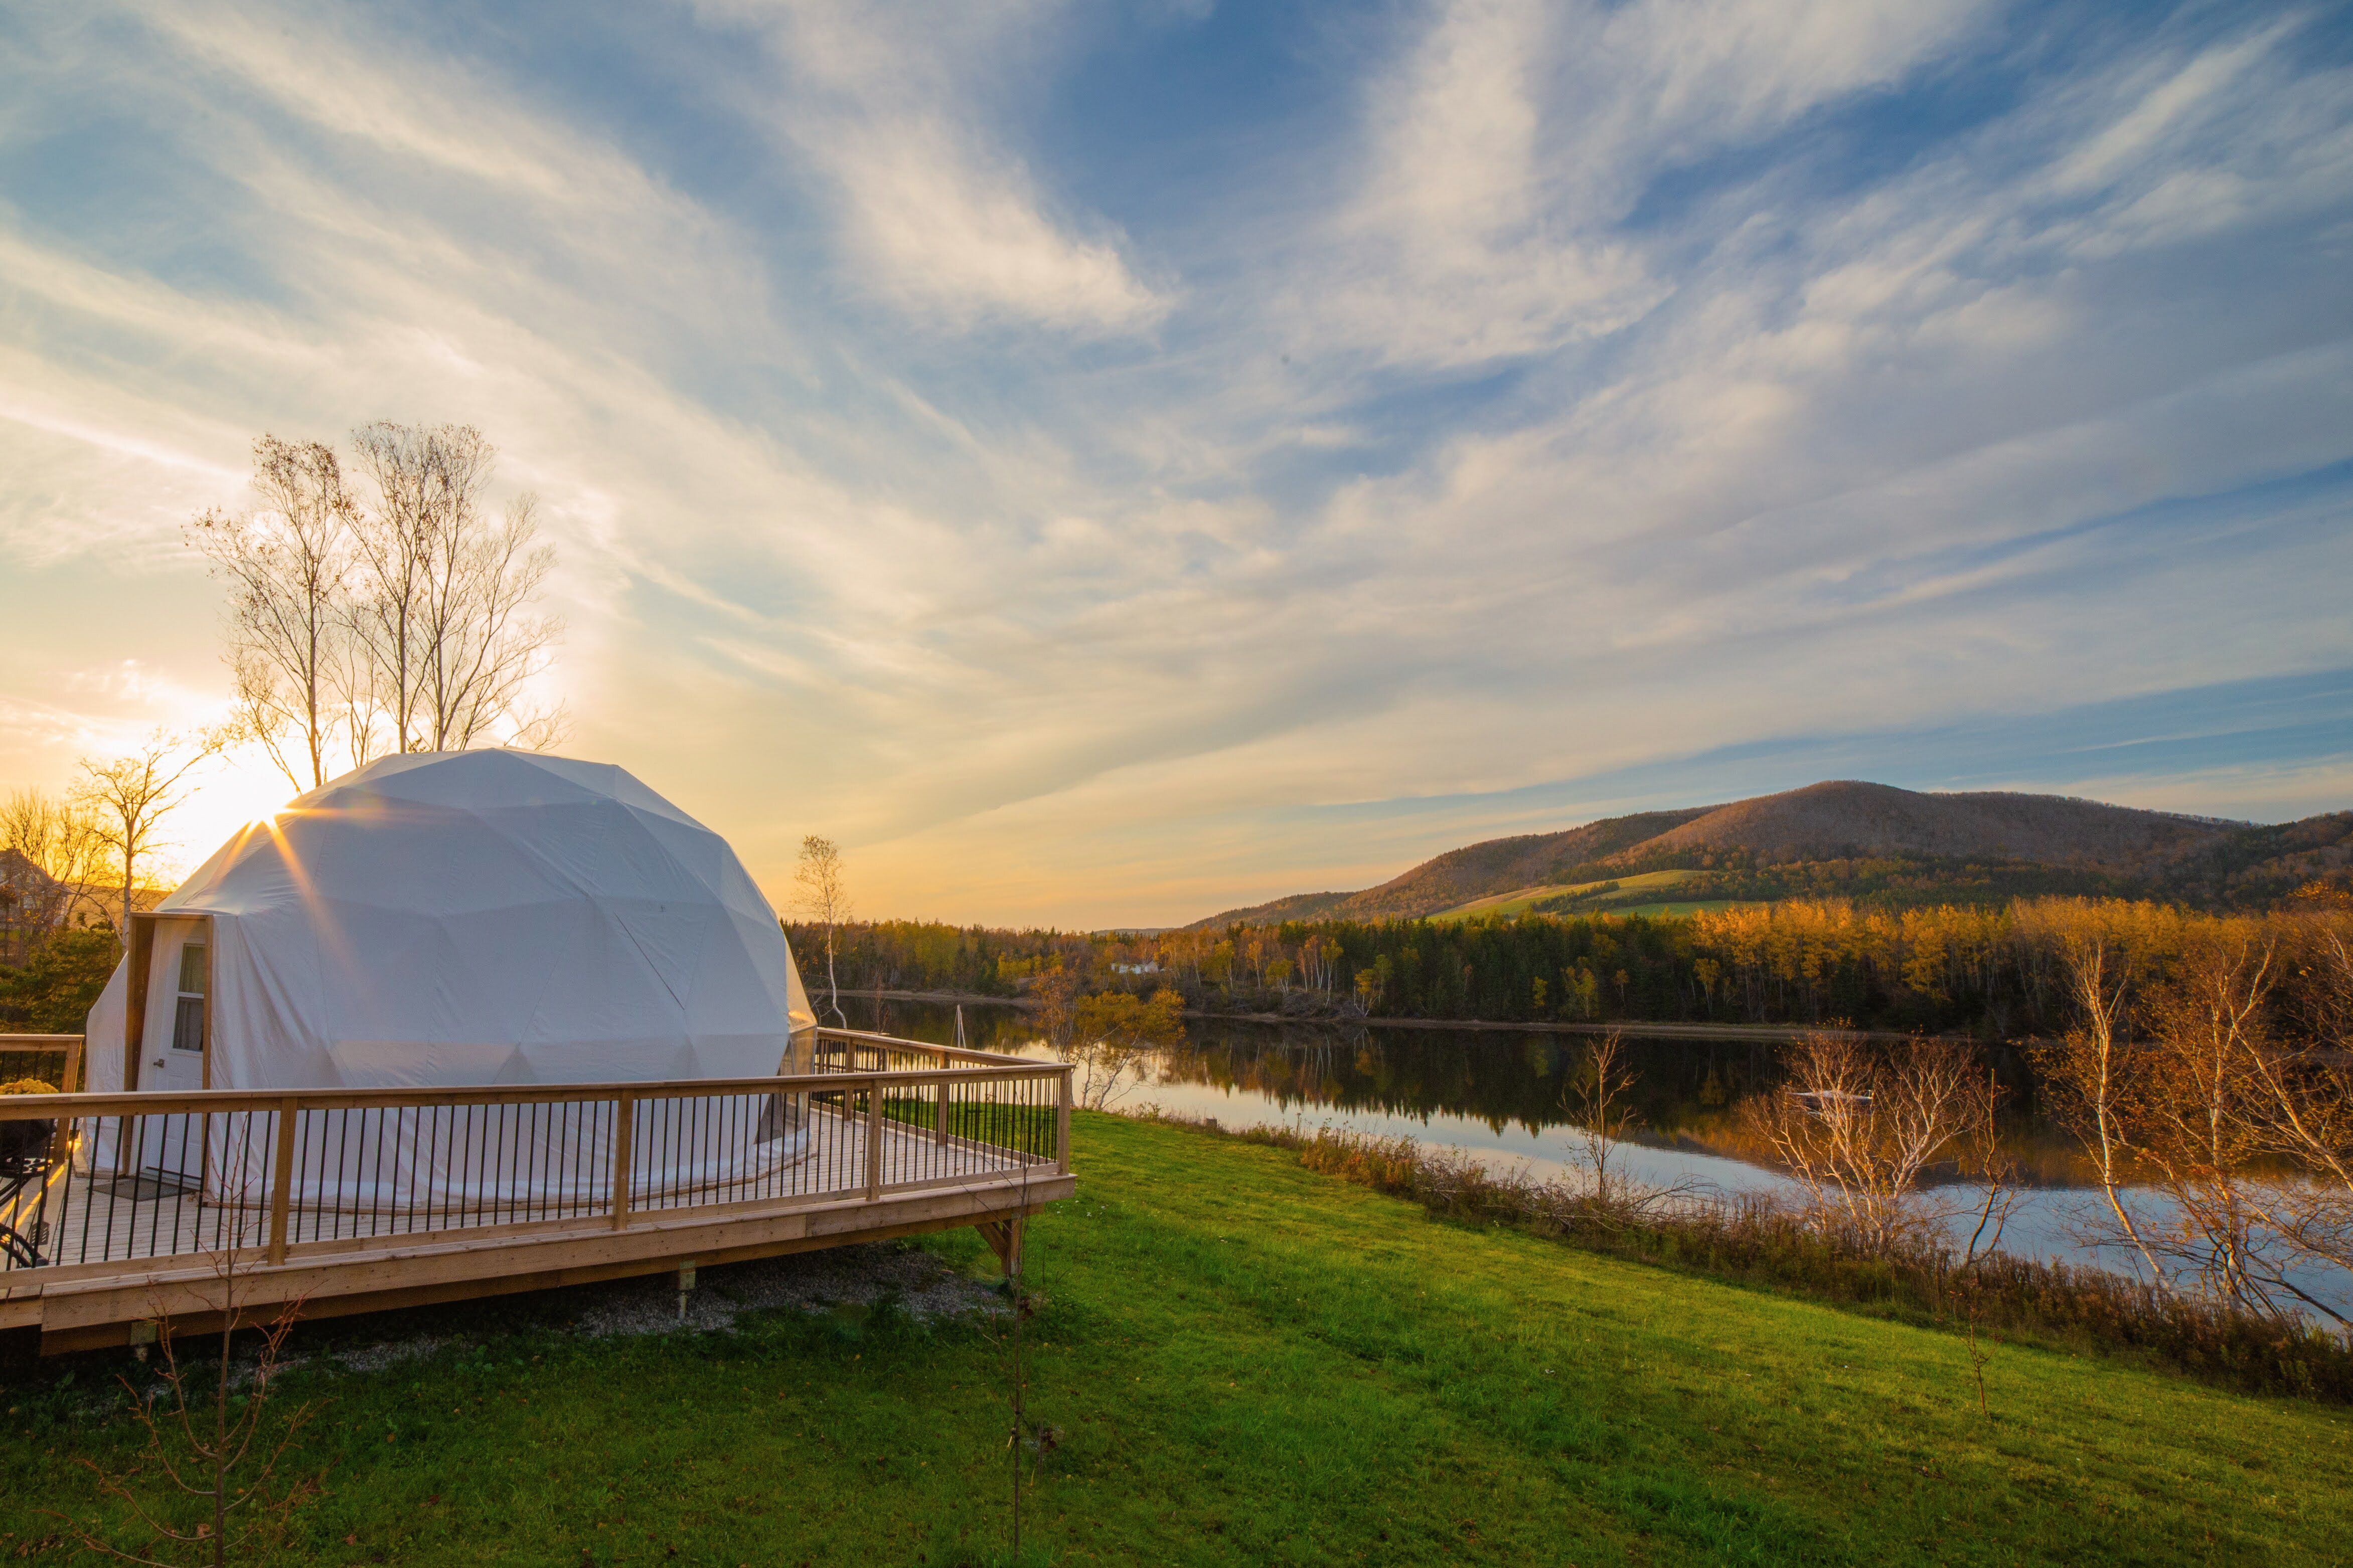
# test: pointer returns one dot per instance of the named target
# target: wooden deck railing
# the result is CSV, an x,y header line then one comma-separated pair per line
x,y
55,1059
107,1179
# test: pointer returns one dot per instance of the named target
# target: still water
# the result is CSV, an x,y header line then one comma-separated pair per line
x,y
1501,1096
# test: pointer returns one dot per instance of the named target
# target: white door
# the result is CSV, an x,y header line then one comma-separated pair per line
x,y
171,1145
175,1013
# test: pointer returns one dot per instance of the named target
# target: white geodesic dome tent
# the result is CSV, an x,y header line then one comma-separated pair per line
x,y
481,917
469,917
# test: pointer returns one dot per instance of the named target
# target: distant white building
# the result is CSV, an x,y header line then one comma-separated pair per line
x,y
1149,966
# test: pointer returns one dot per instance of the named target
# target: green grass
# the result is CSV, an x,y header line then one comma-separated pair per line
x,y
1518,903
1685,907
1253,1363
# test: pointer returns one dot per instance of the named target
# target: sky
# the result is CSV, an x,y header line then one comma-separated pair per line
x,y
1104,464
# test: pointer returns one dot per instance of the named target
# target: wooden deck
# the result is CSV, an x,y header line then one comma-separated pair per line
x,y
360,1200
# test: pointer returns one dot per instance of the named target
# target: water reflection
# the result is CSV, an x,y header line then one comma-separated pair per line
x,y
1501,1096
1510,1089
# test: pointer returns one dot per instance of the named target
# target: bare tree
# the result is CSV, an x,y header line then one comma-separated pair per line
x,y
212,1452
1990,1164
481,641
2091,1074
444,612
128,798
286,565
822,893
1857,1128
2302,1094
1599,1102
2206,1118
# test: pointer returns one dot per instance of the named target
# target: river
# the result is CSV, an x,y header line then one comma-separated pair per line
x,y
1501,1096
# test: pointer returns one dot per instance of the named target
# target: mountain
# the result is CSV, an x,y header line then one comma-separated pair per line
x,y
1847,818
1871,842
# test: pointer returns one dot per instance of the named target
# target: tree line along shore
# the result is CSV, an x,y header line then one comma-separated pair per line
x,y
1992,973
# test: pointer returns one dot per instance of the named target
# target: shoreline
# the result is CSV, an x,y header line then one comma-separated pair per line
x,y
1720,1032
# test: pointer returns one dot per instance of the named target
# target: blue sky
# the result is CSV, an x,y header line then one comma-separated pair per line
x,y
1107,463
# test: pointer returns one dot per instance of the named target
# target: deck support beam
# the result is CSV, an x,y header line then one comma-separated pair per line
x,y
1004,1239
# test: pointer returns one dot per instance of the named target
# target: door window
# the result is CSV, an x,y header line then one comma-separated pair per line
x,y
188,1022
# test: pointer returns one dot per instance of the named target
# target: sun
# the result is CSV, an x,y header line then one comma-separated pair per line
x,y
238,790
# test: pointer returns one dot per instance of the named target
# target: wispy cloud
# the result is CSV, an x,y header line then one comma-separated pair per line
x,y
938,216
1501,394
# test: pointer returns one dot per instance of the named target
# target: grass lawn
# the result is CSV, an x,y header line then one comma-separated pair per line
x,y
1251,1363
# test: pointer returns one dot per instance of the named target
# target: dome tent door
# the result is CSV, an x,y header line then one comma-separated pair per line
x,y
167,1037
167,1034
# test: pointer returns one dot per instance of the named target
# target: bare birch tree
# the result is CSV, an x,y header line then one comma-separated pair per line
x,y
128,798
444,611
822,893
2092,1074
1857,1128
2303,1094
2209,1120
285,564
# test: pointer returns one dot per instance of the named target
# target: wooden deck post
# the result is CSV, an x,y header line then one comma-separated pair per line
x,y
1004,1239
281,1176
873,1142
1063,1124
940,1124
625,1155
139,943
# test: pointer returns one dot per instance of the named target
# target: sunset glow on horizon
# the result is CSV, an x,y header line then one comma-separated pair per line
x,y
1103,465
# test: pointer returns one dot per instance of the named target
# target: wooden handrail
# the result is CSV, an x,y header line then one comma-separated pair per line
x,y
39,1106
961,1053
71,1046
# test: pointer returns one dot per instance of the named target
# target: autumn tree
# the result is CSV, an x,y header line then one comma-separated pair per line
x,y
59,856
1055,997
1113,1032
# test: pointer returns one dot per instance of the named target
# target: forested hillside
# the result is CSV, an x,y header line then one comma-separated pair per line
x,y
1869,844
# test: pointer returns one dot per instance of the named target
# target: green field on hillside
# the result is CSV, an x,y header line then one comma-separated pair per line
x,y
1247,1363
1683,907
1626,889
